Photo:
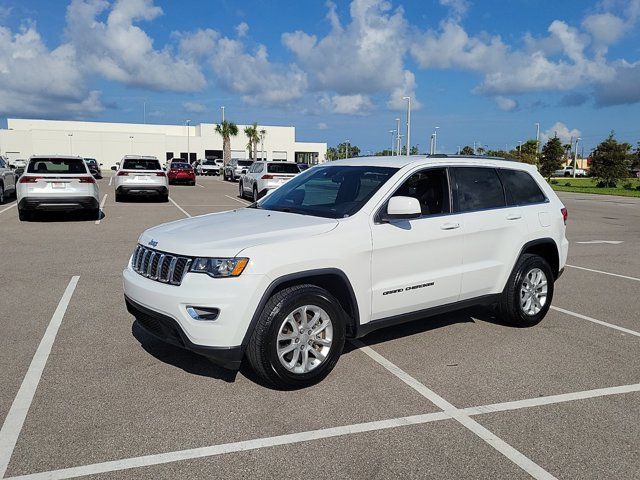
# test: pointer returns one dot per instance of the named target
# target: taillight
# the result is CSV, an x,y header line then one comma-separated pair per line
x,y
565,214
122,174
87,179
267,177
24,179
161,174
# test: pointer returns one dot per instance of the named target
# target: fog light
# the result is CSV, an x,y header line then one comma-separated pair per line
x,y
203,313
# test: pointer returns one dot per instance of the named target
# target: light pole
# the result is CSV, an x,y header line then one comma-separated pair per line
x,y
393,140
575,158
431,145
458,149
222,108
435,140
188,149
70,135
537,138
131,142
346,149
262,134
398,136
519,148
408,99
474,147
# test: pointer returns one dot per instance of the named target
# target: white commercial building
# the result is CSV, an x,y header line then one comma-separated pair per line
x,y
109,142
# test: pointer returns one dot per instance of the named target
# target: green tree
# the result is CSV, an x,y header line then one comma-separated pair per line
x,y
251,131
552,157
384,153
608,162
467,150
348,149
528,152
413,151
501,154
226,129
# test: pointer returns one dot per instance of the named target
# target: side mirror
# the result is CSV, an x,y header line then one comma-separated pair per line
x,y
114,168
100,164
402,208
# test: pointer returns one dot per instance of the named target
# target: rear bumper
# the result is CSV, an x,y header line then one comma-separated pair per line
x,y
142,190
58,203
167,329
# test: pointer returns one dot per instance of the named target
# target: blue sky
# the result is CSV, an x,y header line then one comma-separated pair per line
x,y
483,71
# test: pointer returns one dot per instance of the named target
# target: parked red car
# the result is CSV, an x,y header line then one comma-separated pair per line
x,y
180,172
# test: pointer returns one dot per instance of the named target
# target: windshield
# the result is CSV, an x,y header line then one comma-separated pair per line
x,y
56,165
141,164
331,191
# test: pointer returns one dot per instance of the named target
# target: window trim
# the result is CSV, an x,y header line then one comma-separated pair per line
x,y
377,216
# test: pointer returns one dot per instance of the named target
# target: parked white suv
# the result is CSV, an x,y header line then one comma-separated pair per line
x,y
7,180
568,172
346,248
263,177
141,175
210,167
57,183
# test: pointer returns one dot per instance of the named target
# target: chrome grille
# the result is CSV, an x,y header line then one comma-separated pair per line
x,y
160,266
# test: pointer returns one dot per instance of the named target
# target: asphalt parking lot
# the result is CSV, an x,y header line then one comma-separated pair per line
x,y
84,392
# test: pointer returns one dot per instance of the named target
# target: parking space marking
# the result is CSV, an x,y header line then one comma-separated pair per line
x,y
179,207
8,208
20,407
104,199
594,320
199,185
604,273
525,463
293,438
110,180
238,200
551,399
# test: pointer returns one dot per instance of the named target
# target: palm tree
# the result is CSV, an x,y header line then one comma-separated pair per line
x,y
263,133
251,131
227,130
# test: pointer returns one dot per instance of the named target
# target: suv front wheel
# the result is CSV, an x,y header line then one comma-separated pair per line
x,y
527,296
299,337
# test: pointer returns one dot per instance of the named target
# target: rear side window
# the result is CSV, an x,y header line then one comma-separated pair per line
x,y
57,165
477,189
521,189
245,163
283,168
141,164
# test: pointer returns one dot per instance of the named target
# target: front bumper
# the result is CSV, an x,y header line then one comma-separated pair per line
x,y
58,203
167,329
142,190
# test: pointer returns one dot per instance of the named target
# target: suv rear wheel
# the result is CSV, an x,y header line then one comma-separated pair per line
x,y
1,194
527,296
299,337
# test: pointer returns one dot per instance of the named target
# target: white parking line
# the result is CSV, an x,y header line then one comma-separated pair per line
x,y
110,180
104,199
265,442
8,208
599,322
604,273
20,407
238,200
179,207
199,185
528,465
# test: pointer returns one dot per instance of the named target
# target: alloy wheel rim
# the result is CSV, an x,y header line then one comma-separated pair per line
x,y
304,339
533,292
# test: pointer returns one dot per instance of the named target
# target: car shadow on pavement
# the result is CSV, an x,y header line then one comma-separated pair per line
x,y
62,217
179,357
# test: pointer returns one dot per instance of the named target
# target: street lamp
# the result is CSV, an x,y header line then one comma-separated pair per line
x,y
262,134
188,149
398,136
537,138
575,158
70,135
408,99
393,140
346,149
131,142
222,108
431,145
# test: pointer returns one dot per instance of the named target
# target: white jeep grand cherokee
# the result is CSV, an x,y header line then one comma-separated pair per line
x,y
346,248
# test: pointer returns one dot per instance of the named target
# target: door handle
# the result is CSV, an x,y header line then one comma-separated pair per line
x,y
514,216
449,226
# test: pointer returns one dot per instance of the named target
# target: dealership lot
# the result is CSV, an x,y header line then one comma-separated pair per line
x,y
454,396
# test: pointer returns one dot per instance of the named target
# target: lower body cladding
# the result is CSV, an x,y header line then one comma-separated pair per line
x,y
58,203
142,190
209,316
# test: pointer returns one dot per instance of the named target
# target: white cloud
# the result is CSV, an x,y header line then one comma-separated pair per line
x,y
194,107
458,7
37,81
505,103
562,131
322,126
119,50
242,29
347,104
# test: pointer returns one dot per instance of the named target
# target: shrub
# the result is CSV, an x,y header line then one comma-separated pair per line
x,y
554,181
567,184
627,186
606,184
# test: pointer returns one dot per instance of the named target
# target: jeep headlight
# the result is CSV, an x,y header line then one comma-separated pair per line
x,y
219,267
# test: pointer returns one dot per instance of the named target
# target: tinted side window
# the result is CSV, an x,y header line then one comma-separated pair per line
x,y
521,188
477,189
2,165
431,188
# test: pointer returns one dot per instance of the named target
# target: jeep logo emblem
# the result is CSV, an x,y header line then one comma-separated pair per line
x,y
153,243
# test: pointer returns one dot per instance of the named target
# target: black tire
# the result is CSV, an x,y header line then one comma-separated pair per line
x,y
261,351
240,189
255,197
164,198
2,194
119,197
94,214
509,307
24,215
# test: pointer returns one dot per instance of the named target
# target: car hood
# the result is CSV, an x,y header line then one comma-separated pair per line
x,y
225,234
